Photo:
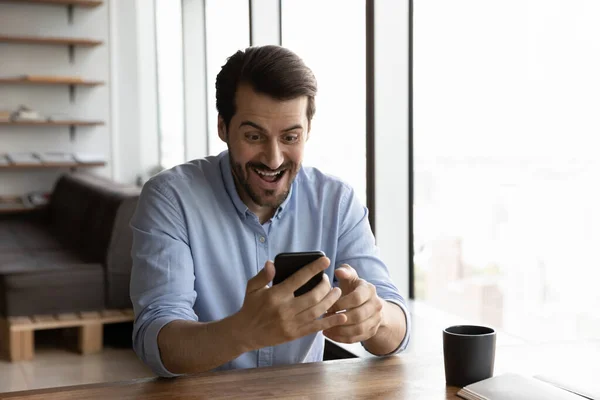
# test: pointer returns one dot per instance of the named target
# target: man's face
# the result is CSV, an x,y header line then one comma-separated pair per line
x,y
266,144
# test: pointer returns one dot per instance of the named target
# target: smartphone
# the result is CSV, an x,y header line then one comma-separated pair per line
x,y
286,264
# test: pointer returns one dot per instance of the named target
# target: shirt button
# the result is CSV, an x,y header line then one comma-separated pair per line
x,y
262,239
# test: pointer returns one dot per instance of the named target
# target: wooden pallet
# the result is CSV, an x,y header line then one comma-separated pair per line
x,y
17,338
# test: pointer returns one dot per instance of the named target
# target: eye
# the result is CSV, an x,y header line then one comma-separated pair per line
x,y
290,138
253,137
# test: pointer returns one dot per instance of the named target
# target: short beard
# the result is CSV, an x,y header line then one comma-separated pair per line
x,y
238,173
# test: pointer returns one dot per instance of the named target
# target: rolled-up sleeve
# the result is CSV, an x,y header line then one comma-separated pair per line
x,y
357,248
162,276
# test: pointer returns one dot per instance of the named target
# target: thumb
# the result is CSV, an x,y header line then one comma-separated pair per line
x,y
346,276
262,279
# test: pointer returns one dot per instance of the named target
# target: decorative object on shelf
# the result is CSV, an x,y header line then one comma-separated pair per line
x,y
23,158
32,201
10,204
36,199
73,166
51,160
56,157
24,113
25,116
87,158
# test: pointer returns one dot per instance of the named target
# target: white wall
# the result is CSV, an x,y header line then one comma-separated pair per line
x,y
90,103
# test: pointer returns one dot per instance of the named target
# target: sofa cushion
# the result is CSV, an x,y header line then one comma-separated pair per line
x,y
49,282
118,261
34,235
67,210
8,243
98,229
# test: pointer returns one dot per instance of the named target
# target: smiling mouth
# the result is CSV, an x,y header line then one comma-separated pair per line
x,y
269,176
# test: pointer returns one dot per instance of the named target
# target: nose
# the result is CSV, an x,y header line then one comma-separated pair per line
x,y
272,155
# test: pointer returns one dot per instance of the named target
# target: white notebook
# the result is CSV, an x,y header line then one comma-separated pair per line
x,y
584,383
514,387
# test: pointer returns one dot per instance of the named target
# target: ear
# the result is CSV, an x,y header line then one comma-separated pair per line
x,y
308,132
222,129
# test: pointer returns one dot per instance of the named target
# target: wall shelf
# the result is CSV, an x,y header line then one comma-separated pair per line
x,y
51,165
19,210
49,81
68,77
77,3
16,205
71,123
50,40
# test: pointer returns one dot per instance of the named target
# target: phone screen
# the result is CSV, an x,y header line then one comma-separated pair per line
x,y
286,264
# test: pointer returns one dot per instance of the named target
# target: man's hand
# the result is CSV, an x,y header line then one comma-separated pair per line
x,y
272,315
363,308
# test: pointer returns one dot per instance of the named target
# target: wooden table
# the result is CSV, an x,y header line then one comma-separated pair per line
x,y
392,377
407,376
417,373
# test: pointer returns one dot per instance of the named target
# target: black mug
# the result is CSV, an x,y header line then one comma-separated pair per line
x,y
469,353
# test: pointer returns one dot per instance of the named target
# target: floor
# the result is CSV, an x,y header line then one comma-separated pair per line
x,y
55,365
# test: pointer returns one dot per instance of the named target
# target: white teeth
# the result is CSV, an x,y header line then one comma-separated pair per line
x,y
267,173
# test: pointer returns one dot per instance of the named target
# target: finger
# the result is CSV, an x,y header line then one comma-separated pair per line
x,y
346,276
346,272
364,312
354,333
303,275
308,300
360,295
322,324
319,309
261,279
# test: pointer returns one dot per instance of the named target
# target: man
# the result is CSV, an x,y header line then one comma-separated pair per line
x,y
204,233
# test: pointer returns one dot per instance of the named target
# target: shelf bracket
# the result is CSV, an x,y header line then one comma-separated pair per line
x,y
72,132
71,53
72,93
70,8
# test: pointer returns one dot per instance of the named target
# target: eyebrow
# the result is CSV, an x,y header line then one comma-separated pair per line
x,y
260,128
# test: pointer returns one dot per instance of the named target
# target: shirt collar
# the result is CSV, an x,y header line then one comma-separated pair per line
x,y
242,209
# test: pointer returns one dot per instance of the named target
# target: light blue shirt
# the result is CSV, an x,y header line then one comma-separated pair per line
x,y
196,245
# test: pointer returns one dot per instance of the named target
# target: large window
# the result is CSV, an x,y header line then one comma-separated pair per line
x,y
506,221
169,66
330,37
227,31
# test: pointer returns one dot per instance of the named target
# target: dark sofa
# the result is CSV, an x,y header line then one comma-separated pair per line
x,y
74,255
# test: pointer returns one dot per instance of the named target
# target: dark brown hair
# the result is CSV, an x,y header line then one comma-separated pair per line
x,y
271,70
